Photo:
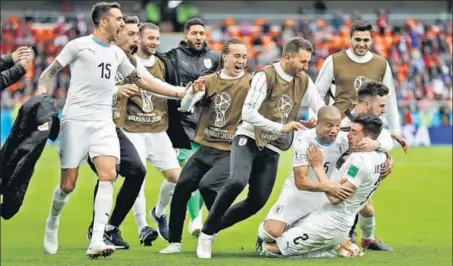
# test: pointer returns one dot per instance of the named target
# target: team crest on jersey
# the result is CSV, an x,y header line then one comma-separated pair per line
x,y
278,209
242,141
207,62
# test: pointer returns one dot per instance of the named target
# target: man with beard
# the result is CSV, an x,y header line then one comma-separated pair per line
x,y
130,164
87,129
268,116
145,122
192,59
347,70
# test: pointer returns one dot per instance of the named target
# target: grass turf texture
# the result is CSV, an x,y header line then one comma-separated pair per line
x,y
413,206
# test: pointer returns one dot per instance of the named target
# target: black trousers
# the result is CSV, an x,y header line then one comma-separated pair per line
x,y
207,170
248,165
133,171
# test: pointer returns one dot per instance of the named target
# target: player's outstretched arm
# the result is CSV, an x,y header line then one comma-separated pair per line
x,y
391,113
156,87
45,80
195,92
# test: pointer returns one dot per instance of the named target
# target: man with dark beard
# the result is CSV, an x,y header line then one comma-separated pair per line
x,y
192,59
130,166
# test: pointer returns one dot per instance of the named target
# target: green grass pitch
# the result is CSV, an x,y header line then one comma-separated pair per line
x,y
413,207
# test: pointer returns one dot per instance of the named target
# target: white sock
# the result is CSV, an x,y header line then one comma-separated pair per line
x,y
109,227
367,225
165,195
266,237
102,207
59,199
139,209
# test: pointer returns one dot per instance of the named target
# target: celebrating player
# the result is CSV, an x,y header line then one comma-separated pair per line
x,y
321,232
208,169
272,104
87,128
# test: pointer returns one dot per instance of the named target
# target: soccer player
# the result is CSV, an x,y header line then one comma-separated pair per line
x,y
272,104
372,97
348,69
146,122
345,71
301,193
192,59
131,166
209,167
319,234
86,127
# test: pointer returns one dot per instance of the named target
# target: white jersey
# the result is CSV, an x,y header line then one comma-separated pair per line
x,y
93,66
385,138
293,204
331,152
362,169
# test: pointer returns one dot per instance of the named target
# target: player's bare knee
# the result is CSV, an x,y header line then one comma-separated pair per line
x,y
172,175
68,180
107,175
367,210
274,228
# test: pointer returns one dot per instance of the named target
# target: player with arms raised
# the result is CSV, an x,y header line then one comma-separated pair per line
x,y
87,128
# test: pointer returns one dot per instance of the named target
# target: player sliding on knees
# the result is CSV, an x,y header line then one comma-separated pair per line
x,y
87,128
321,233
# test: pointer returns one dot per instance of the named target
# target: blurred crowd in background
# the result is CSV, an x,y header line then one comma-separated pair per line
x,y
420,54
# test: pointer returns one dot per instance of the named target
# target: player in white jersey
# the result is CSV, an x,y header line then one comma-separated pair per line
x,y
372,99
86,127
301,193
321,232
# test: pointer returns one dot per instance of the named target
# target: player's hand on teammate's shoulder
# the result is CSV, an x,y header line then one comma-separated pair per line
x,y
367,145
291,126
314,156
402,142
311,123
128,90
387,168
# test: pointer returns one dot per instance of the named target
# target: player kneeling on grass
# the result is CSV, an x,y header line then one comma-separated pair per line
x,y
321,233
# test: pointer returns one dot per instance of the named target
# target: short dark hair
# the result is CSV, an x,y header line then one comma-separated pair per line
x,y
131,20
372,124
361,25
147,25
371,88
100,9
192,22
296,44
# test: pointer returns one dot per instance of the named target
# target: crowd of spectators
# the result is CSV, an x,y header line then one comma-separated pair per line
x,y
420,54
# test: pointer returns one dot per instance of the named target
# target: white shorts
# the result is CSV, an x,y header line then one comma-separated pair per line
x,y
293,204
79,139
314,233
156,147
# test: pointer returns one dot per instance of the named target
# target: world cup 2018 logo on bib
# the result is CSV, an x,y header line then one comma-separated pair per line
x,y
147,105
284,107
359,81
222,102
